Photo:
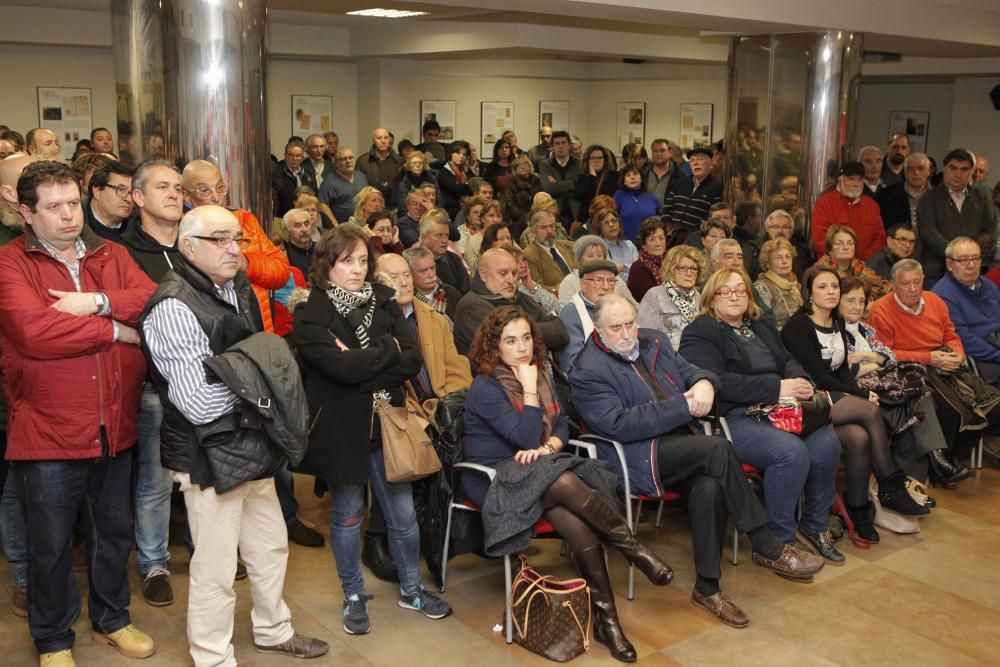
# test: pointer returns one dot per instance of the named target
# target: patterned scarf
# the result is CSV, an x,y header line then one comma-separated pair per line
x,y
515,393
438,300
652,264
349,305
684,300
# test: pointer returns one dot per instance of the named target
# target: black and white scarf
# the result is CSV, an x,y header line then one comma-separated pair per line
x,y
684,300
350,306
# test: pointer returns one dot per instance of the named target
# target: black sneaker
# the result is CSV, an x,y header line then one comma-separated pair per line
x,y
300,533
426,603
356,615
156,589
822,544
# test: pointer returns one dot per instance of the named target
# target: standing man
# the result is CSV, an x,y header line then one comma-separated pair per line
x,y
690,198
300,246
558,175
339,187
897,203
900,242
981,172
545,143
71,301
430,146
847,205
332,144
871,158
954,209
317,166
203,307
109,205
381,166
660,171
895,155
43,144
288,176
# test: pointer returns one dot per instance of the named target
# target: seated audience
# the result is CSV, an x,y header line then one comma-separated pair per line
x,y
354,342
588,248
384,234
108,206
711,232
674,304
847,206
415,174
527,285
777,287
319,213
548,259
779,223
645,271
514,424
495,285
634,204
597,278
495,235
434,236
427,287
841,257
471,225
816,336
613,379
730,339
491,214
606,224
900,243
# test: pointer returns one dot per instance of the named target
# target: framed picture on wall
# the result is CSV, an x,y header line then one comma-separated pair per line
x,y
554,113
914,124
311,114
68,113
696,125
497,118
443,111
631,124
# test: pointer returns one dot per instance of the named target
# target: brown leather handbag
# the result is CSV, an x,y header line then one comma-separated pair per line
x,y
551,617
406,448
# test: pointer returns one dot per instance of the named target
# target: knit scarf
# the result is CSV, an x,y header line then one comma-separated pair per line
x,y
350,306
684,300
438,300
515,394
652,264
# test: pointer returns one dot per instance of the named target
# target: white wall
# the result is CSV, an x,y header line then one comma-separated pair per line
x,y
876,100
297,77
975,124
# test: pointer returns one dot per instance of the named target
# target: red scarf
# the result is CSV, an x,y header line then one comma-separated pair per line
x,y
653,264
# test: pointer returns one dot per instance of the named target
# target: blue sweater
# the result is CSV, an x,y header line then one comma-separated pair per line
x,y
634,206
495,430
975,314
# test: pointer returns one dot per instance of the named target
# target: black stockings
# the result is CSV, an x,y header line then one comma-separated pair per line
x,y
862,434
560,504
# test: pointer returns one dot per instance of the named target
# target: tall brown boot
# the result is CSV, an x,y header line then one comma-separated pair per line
x,y
607,630
610,526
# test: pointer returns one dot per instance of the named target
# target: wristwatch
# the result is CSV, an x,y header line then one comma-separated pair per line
x,y
102,302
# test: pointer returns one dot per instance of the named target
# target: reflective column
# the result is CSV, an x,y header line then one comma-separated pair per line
x,y
190,85
791,104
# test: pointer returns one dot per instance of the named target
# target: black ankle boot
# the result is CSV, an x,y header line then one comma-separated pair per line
x,y
376,557
610,527
607,630
943,470
893,495
863,519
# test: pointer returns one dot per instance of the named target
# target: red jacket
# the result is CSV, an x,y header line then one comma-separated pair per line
x,y
862,216
63,375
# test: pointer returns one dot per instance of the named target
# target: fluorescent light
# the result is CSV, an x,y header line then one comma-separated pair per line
x,y
387,13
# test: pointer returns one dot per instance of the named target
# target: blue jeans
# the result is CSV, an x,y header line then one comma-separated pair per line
x,y
791,466
13,532
347,505
284,486
152,488
53,493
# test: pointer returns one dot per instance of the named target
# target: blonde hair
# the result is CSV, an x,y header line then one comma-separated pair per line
x,y
716,282
674,257
771,247
361,199
523,159
542,202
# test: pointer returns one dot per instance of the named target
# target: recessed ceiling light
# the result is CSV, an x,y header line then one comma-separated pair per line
x,y
387,13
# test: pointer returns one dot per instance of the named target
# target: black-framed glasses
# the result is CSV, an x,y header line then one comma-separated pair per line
x,y
604,282
123,191
225,241
967,261
204,191
904,240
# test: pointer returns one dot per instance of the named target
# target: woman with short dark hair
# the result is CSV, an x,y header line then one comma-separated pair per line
x,y
645,271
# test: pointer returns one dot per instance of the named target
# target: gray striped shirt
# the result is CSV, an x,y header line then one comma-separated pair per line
x,y
178,346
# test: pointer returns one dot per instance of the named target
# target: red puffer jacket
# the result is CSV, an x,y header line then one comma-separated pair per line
x,y
63,375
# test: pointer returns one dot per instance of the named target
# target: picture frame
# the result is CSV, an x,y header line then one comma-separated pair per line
x,y
554,113
631,124
444,112
696,125
68,112
495,119
914,124
311,114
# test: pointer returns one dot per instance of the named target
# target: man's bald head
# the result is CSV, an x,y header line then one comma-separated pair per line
x,y
10,171
397,270
203,184
498,271
381,139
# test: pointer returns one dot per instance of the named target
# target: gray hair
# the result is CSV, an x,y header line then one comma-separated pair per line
x,y
141,176
949,249
917,157
538,217
723,243
433,216
905,266
870,148
287,218
612,299
411,255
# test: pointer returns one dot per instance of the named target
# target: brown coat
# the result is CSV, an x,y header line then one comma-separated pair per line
x,y
448,370
544,269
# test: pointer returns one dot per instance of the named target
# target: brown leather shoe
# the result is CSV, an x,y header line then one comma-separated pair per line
x,y
793,564
722,607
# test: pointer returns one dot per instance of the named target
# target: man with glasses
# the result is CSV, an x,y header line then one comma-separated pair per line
x,y
954,209
779,223
202,308
847,205
288,176
901,243
106,211
340,186
597,278
544,146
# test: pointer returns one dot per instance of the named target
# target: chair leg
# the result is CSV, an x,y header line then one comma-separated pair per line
x,y
978,452
635,519
659,515
736,546
508,615
444,549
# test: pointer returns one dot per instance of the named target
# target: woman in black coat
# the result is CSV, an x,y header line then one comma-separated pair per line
x,y
355,345
598,176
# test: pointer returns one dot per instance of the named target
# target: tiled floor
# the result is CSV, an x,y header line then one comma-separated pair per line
x,y
925,599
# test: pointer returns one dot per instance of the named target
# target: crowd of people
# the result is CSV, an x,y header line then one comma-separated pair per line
x,y
156,341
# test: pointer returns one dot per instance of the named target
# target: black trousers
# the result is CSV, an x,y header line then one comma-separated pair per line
x,y
705,471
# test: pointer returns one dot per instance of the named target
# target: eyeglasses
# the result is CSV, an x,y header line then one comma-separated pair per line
x,y
686,269
779,228
204,191
967,261
123,191
604,282
725,292
904,240
225,241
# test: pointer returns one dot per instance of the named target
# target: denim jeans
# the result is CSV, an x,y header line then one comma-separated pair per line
x,y
791,466
284,486
347,504
52,493
152,488
13,532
